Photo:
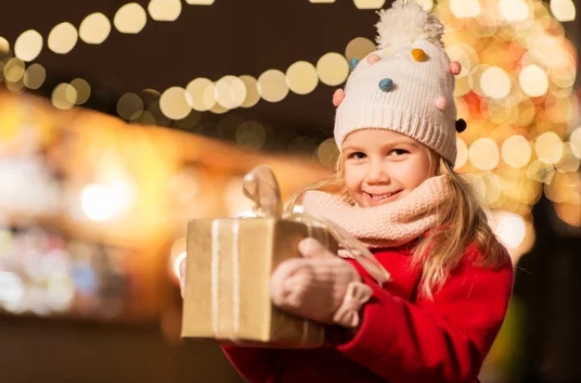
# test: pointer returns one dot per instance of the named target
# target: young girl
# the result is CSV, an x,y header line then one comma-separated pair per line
x,y
397,192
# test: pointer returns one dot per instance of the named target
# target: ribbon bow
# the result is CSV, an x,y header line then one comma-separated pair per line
x,y
347,314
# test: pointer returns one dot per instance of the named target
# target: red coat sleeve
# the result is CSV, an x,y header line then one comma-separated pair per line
x,y
441,340
255,365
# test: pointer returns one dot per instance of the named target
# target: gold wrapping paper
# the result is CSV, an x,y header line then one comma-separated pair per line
x,y
226,295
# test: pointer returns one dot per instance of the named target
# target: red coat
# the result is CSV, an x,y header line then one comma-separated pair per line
x,y
401,339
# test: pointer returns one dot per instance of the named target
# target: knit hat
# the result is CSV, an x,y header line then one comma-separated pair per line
x,y
406,85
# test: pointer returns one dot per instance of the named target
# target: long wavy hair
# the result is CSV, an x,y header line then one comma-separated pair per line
x,y
462,222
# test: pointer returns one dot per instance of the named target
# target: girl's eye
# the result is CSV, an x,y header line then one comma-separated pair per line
x,y
356,155
398,152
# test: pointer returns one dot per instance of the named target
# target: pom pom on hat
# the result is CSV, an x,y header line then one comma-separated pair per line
x,y
455,68
441,102
372,59
338,97
461,125
353,63
386,84
405,22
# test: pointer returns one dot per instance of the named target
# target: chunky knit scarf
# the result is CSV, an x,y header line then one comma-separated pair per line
x,y
392,224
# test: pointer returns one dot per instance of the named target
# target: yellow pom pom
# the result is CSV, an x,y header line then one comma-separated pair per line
x,y
418,54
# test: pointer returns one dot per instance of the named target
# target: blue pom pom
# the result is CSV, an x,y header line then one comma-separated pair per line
x,y
353,63
386,84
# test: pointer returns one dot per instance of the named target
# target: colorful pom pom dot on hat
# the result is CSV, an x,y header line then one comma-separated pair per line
x,y
353,63
372,59
460,125
338,97
455,68
386,84
418,54
441,102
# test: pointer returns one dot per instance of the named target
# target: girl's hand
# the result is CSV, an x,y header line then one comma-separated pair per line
x,y
182,276
320,286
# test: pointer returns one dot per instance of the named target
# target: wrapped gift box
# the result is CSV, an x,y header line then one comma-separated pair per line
x,y
226,295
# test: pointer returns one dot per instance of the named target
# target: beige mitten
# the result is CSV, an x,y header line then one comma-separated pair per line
x,y
321,286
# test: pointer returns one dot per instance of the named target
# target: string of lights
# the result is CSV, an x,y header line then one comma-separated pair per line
x,y
515,91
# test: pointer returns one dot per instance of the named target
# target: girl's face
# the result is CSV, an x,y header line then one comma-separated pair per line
x,y
382,166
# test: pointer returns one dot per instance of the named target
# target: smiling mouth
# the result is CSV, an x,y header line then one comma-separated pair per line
x,y
381,197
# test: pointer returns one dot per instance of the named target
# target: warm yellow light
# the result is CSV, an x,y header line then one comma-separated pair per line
x,y
513,10
510,229
534,81
483,154
560,109
563,10
104,202
14,70
569,162
575,139
130,18
333,69
230,92
200,94
34,76
200,2
540,171
272,85
495,82
302,77
173,103
369,4
62,38
4,45
95,28
516,151
359,47
526,112
64,96
83,90
549,148
492,187
28,45
252,95
465,8
164,10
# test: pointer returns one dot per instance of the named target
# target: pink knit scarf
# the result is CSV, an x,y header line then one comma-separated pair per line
x,y
392,224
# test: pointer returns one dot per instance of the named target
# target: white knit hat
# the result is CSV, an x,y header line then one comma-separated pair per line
x,y
406,85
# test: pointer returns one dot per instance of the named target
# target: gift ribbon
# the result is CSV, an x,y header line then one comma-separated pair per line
x,y
225,320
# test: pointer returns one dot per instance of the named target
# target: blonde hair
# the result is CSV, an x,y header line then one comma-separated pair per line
x,y
462,222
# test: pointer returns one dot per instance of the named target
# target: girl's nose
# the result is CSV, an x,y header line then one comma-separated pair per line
x,y
378,173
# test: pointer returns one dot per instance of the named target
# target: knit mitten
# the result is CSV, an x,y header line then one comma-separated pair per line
x,y
320,287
